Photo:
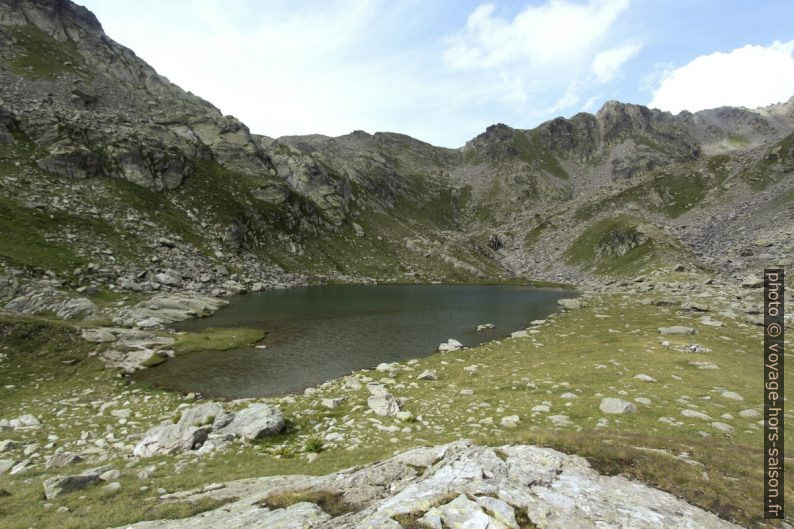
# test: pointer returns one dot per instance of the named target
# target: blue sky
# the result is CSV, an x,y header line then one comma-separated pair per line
x,y
443,70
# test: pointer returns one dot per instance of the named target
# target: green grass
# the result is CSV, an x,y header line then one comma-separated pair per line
x,y
621,246
330,503
217,339
670,193
769,169
533,234
564,355
39,56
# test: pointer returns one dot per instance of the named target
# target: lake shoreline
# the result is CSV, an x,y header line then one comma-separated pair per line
x,y
527,297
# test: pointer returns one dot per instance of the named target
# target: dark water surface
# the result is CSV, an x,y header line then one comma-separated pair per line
x,y
319,333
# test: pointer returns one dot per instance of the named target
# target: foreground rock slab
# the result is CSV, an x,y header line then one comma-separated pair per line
x,y
454,485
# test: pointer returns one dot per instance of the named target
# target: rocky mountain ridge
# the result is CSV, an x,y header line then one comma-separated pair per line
x,y
133,184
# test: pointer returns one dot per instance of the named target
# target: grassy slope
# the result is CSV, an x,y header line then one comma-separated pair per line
x,y
595,248
42,57
566,355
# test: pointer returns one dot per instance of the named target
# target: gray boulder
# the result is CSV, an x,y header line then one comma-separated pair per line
x,y
201,415
615,406
60,485
677,329
255,421
170,439
61,459
384,405
570,303
24,421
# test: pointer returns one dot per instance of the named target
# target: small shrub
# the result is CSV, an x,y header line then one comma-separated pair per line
x,y
314,444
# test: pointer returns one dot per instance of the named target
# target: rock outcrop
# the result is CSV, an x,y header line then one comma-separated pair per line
x,y
454,485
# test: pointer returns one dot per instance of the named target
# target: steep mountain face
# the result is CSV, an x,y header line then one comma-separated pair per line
x,y
115,178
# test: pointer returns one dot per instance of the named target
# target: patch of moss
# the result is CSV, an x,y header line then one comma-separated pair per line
x,y
154,360
217,339
330,502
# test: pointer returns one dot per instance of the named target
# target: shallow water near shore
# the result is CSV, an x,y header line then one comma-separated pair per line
x,y
320,333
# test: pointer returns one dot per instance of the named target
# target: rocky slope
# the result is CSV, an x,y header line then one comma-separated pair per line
x,y
129,202
116,179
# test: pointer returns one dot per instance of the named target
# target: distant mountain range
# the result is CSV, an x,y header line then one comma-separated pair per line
x,y
104,162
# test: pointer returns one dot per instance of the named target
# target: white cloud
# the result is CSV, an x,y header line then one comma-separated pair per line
x,y
559,32
546,55
751,76
607,63
288,67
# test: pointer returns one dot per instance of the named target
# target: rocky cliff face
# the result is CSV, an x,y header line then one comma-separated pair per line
x,y
107,163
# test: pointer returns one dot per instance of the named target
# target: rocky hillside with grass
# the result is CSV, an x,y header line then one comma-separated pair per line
x,y
115,179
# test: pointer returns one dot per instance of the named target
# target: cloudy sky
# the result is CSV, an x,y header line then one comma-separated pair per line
x,y
443,70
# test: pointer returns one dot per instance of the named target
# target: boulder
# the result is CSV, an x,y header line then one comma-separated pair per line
x,y
695,306
693,414
384,405
6,465
201,415
60,485
615,406
450,345
8,444
61,459
428,374
168,308
23,422
510,421
255,421
676,329
570,303
332,403
732,395
170,439
99,335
